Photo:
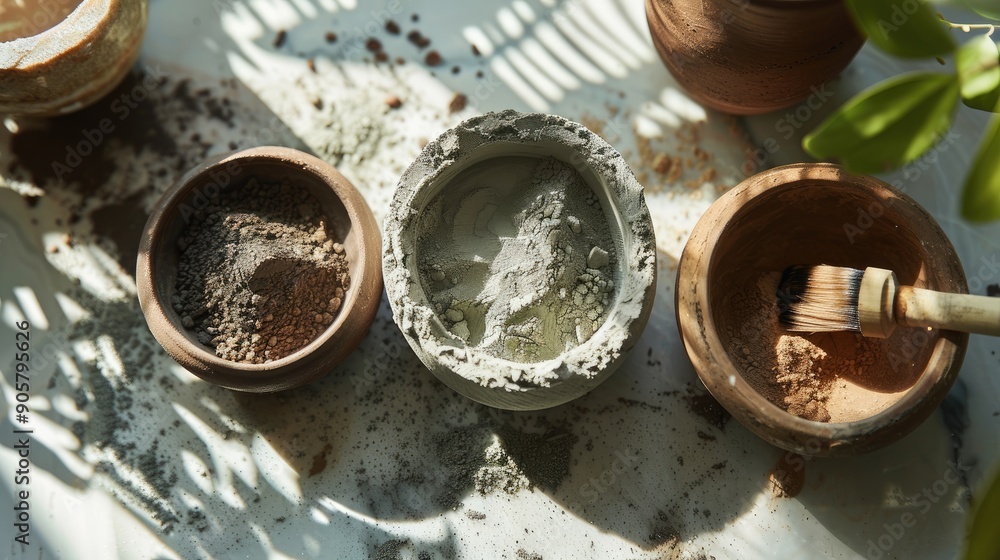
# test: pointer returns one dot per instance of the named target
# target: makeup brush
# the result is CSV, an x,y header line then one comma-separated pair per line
x,y
871,301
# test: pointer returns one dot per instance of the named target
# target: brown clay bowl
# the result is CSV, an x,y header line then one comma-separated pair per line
x,y
813,214
748,57
69,60
352,224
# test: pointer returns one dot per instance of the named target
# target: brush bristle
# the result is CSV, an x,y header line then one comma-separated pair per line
x,y
819,298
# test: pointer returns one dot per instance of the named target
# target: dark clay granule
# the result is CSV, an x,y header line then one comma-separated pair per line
x,y
258,275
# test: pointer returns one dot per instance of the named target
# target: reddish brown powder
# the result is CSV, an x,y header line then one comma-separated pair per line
x,y
827,377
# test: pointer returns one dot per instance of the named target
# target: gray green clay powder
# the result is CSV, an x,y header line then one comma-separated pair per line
x,y
517,258
258,274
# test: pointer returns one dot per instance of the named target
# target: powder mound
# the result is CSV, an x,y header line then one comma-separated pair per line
x,y
519,264
258,275
826,377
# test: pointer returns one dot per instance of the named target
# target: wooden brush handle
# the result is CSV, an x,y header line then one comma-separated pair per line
x,y
916,307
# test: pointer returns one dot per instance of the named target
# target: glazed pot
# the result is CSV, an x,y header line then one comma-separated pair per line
x,y
351,223
69,60
485,148
748,57
816,214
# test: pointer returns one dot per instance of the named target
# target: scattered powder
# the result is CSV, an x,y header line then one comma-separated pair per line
x,y
524,271
500,473
500,459
817,377
258,276
523,554
390,550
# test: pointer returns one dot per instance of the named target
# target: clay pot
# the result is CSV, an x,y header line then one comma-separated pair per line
x,y
495,143
815,214
352,224
75,62
748,57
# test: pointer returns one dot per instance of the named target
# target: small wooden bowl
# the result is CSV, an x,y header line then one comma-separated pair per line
x,y
753,56
75,62
475,146
352,224
813,214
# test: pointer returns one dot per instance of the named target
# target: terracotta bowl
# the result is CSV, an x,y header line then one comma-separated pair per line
x,y
748,57
816,214
352,224
71,60
486,147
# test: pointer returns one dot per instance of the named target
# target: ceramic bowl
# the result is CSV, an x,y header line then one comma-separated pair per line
x,y
748,57
352,225
485,148
817,214
69,60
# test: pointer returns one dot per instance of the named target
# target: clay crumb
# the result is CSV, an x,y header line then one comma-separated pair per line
x,y
417,39
330,37
393,102
279,39
392,27
993,290
433,58
457,103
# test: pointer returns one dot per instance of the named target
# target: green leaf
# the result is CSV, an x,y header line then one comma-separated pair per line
x,y
981,196
986,8
978,63
889,124
984,540
907,28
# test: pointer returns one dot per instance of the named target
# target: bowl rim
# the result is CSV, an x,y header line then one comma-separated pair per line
x,y
738,396
199,359
559,138
66,31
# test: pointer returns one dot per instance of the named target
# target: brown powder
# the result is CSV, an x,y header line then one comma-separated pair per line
x,y
258,276
827,377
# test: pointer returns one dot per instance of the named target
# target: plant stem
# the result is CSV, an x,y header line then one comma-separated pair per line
x,y
967,27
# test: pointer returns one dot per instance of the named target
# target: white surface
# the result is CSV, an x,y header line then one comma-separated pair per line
x,y
244,461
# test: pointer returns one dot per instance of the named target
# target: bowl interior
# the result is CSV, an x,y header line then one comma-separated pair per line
x,y
837,224
33,17
210,183
504,166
